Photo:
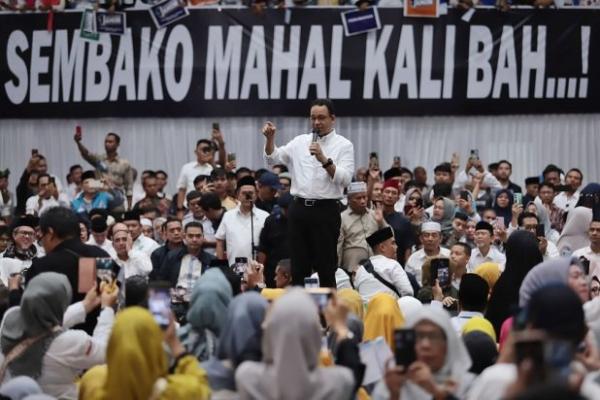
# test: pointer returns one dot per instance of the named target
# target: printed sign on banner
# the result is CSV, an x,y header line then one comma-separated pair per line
x,y
87,29
422,8
167,12
113,23
361,21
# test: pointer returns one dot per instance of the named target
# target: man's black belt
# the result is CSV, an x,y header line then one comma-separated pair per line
x,y
315,202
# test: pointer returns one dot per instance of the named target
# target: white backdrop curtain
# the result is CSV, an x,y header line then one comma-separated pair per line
x,y
529,142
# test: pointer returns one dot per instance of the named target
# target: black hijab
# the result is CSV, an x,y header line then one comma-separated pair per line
x,y
522,254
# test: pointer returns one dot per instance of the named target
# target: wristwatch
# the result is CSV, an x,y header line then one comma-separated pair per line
x,y
328,163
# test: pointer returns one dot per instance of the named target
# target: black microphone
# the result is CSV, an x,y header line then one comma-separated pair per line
x,y
315,134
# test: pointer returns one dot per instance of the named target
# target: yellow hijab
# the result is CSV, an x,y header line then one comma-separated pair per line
x,y
272,294
135,359
383,316
490,272
351,299
479,324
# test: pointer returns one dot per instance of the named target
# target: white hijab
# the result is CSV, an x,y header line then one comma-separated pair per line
x,y
574,235
291,344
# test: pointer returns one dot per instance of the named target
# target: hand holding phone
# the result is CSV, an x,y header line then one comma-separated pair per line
x,y
404,343
78,134
440,270
159,304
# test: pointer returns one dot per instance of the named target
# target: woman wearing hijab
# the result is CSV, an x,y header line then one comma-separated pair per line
x,y
574,235
382,318
137,367
522,254
240,341
482,350
560,270
442,365
53,356
554,309
443,213
207,313
290,345
503,203
490,272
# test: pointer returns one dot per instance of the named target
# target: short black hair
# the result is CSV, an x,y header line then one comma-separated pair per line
x,y
493,166
74,167
193,224
282,167
161,172
136,291
205,141
210,201
44,175
465,247
259,172
576,170
443,167
526,214
242,170
473,293
63,222
551,168
404,170
505,162
324,102
548,185
149,174
117,137
201,178
5,230
169,220
218,173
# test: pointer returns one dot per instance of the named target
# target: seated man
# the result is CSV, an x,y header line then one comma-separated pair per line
x,y
132,262
472,300
485,251
431,236
382,273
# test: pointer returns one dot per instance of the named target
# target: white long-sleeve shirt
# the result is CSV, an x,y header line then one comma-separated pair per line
x,y
138,263
309,179
415,262
390,270
488,180
72,352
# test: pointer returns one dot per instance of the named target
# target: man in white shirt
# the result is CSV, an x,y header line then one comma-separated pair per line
x,y
48,196
431,237
472,300
321,164
529,221
592,252
99,235
132,262
240,228
205,153
140,242
384,267
568,199
75,181
358,223
485,251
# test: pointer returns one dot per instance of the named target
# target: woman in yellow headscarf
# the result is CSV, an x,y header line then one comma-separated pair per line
x,y
490,272
383,316
137,367
351,299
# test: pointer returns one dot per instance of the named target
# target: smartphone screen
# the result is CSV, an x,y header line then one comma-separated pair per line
x,y
474,155
500,222
320,296
231,157
585,264
311,283
440,270
159,304
404,341
86,274
518,198
105,270
78,130
240,265
419,203
215,126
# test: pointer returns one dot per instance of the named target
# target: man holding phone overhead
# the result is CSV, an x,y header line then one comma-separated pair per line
x,y
321,164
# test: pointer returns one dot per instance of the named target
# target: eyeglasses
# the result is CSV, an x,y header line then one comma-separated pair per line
x,y
26,233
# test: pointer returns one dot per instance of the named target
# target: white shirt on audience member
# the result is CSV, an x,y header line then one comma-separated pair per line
x,y
368,286
236,231
415,262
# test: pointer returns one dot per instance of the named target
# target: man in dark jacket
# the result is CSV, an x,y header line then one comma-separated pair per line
x,y
60,238
172,230
184,266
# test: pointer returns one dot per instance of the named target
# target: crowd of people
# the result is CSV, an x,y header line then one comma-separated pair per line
x,y
307,278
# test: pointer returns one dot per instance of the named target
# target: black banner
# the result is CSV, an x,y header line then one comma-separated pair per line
x,y
235,63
